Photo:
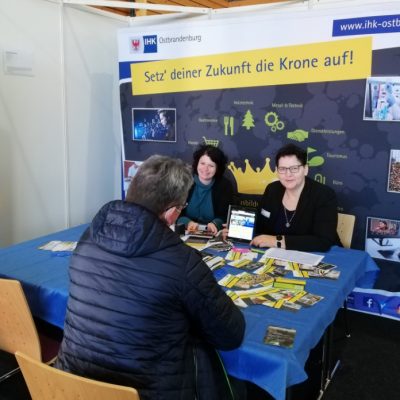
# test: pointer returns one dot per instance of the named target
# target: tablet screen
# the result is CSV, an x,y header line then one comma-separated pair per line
x,y
241,222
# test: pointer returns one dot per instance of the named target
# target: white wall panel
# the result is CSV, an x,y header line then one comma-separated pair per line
x,y
32,191
91,60
58,161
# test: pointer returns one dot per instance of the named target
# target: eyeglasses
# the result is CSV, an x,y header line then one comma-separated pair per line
x,y
181,207
178,207
294,169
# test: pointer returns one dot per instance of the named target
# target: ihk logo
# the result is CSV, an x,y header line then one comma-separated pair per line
x,y
150,44
145,44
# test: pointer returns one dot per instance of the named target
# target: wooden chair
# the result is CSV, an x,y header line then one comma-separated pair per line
x,y
345,228
17,327
48,383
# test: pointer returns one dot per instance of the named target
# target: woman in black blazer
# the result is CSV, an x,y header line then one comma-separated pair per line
x,y
296,212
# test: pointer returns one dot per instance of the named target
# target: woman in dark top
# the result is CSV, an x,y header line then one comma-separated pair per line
x,y
296,212
211,194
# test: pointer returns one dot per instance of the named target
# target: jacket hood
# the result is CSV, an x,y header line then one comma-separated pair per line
x,y
127,229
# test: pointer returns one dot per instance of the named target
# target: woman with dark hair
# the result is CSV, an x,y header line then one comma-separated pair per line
x,y
211,193
296,212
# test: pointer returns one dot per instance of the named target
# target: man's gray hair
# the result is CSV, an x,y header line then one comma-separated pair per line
x,y
159,183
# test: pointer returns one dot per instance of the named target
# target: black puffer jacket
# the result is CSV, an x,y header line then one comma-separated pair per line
x,y
145,311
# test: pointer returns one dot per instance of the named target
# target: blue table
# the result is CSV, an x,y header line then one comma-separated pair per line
x,y
44,276
283,367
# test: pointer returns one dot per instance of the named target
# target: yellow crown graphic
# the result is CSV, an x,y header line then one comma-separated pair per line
x,y
250,181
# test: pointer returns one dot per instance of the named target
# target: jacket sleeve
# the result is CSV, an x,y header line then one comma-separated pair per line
x,y
213,314
323,233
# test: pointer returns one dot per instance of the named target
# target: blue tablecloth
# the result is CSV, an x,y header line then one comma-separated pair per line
x,y
43,273
276,368
44,276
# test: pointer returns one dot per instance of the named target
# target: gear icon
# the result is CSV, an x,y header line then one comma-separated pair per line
x,y
271,118
280,125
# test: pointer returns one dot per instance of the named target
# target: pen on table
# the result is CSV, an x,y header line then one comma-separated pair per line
x,y
257,250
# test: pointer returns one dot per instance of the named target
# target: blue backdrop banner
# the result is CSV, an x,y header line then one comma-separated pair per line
x,y
252,84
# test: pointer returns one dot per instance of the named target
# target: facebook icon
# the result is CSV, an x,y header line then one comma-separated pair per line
x,y
150,44
368,302
371,304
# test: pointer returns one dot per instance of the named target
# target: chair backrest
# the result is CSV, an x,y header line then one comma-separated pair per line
x,y
17,327
45,383
345,228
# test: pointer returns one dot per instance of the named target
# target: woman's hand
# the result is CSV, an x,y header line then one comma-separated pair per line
x,y
212,228
224,232
192,226
264,241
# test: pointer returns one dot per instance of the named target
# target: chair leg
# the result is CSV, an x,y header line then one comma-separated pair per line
x,y
346,320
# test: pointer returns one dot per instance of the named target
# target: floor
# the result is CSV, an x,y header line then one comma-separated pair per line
x,y
370,366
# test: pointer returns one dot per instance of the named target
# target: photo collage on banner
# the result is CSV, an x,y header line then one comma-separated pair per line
x,y
394,172
333,90
154,124
382,99
383,238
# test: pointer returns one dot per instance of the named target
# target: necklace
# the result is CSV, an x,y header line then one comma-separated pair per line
x,y
288,221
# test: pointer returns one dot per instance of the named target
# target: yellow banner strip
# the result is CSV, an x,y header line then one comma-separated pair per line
x,y
316,62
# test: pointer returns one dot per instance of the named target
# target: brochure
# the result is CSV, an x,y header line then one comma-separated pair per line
x,y
279,336
58,245
293,256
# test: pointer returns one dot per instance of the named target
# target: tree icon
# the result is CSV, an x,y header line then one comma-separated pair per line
x,y
248,120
